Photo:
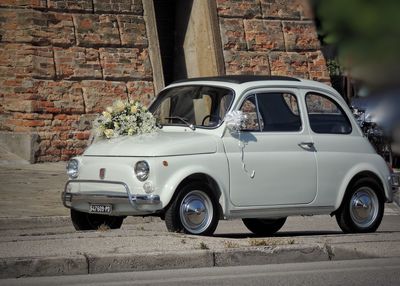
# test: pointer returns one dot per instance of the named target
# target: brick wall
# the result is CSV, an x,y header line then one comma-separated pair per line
x,y
62,61
276,37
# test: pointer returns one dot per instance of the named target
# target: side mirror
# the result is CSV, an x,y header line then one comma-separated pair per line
x,y
234,120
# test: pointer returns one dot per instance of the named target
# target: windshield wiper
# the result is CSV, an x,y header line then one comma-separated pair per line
x,y
191,126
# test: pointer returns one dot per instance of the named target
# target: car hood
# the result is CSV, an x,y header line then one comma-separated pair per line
x,y
160,143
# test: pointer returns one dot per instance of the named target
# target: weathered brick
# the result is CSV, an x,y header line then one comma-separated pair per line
x,y
286,9
133,31
300,35
232,34
37,4
15,25
43,63
317,66
97,30
118,6
59,97
71,5
31,116
239,8
81,135
100,94
289,64
141,90
36,27
264,35
125,64
15,85
21,61
77,63
240,62
18,105
85,121
9,62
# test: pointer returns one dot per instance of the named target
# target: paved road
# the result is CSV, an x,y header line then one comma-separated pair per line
x,y
32,190
34,225
353,272
58,238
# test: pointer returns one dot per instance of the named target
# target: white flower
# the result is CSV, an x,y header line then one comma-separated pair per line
x,y
119,106
107,115
109,133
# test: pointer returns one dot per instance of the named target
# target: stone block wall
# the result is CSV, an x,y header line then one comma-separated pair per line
x,y
63,61
276,37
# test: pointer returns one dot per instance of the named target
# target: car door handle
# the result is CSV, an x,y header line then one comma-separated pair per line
x,y
307,145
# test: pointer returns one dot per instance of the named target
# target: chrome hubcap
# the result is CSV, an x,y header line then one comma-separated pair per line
x,y
196,212
364,207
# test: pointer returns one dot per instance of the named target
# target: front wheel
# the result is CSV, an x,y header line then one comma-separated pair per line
x,y
86,221
193,211
261,226
362,207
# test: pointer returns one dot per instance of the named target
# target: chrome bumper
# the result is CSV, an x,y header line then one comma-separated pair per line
x,y
133,199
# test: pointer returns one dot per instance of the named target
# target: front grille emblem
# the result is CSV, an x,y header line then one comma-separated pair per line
x,y
102,173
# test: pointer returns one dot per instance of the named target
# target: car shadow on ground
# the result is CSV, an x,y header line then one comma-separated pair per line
x,y
279,234
296,233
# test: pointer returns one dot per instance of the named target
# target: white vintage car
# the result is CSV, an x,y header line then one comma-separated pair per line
x,y
259,148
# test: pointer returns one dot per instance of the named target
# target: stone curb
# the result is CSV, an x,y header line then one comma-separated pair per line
x,y
111,263
42,266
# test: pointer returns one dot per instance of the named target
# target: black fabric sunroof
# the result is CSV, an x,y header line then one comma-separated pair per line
x,y
239,78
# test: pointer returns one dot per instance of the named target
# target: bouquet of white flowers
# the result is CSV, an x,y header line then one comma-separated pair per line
x,y
124,118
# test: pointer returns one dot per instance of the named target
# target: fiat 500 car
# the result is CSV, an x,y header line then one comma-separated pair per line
x,y
252,147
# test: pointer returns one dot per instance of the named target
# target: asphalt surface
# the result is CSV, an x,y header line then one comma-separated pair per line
x,y
355,272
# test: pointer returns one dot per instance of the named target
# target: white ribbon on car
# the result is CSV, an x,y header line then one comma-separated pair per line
x,y
234,121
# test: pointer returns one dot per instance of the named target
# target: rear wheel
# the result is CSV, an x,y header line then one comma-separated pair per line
x,y
86,221
193,211
362,207
261,226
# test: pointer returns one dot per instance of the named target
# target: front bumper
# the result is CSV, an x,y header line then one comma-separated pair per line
x,y
132,203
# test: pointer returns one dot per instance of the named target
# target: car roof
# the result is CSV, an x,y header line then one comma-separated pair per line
x,y
239,79
245,82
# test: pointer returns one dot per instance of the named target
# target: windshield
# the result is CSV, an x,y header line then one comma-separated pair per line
x,y
199,106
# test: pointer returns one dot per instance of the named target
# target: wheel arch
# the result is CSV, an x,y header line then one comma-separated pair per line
x,y
355,175
215,186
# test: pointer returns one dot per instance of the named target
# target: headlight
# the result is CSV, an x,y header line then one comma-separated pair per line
x,y
73,168
142,170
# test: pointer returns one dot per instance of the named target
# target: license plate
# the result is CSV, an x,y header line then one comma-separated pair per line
x,y
100,209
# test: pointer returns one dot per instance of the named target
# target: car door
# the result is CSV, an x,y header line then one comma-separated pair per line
x,y
339,146
272,160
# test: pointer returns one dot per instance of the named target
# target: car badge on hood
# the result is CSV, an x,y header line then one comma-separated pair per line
x,y
102,173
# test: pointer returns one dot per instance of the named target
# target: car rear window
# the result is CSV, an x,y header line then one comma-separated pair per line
x,y
326,116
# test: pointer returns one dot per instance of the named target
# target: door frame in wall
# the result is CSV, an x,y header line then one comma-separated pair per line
x,y
210,22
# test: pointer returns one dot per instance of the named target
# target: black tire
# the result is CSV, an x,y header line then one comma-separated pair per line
x,y
264,226
180,215
362,207
86,221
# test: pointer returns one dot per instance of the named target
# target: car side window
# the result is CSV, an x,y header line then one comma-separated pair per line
x,y
249,109
280,112
326,116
